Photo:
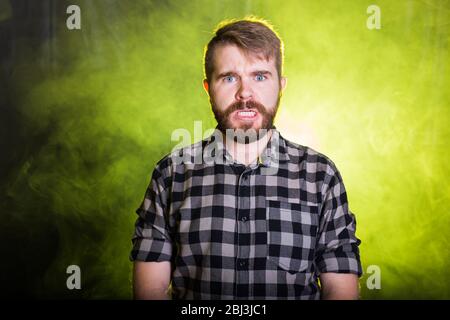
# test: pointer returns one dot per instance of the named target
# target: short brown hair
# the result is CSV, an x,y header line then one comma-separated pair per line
x,y
251,35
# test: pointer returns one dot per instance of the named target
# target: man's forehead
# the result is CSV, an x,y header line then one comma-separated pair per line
x,y
230,56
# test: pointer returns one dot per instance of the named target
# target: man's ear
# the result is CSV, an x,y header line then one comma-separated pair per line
x,y
283,83
206,86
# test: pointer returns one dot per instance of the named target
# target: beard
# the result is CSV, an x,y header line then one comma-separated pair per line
x,y
224,122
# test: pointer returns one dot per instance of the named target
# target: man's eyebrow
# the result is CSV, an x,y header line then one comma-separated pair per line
x,y
263,72
231,73
226,74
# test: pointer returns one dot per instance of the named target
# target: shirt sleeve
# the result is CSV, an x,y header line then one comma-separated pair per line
x,y
152,240
337,249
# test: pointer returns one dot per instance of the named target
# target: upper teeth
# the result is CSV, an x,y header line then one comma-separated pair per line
x,y
246,113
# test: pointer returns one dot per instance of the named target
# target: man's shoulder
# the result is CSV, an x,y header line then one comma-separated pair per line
x,y
309,157
186,154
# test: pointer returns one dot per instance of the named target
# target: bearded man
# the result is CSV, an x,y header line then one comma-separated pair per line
x,y
267,218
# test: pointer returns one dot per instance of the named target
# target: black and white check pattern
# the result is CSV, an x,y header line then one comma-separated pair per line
x,y
232,232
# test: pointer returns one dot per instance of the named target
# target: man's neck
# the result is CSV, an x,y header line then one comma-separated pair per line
x,y
247,153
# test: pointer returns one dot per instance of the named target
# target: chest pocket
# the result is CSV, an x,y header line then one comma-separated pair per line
x,y
291,234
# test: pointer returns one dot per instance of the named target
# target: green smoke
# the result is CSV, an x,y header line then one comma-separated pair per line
x,y
94,110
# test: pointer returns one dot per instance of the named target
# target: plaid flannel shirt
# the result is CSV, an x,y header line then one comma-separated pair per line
x,y
233,231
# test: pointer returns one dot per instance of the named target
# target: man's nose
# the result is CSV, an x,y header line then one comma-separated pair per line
x,y
244,92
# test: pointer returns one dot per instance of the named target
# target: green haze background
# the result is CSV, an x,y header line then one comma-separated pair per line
x,y
86,114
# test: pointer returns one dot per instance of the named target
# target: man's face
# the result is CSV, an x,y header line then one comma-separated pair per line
x,y
244,89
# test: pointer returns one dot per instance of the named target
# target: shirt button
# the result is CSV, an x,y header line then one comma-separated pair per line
x,y
242,263
244,218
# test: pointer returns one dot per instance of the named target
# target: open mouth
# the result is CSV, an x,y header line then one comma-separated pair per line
x,y
246,114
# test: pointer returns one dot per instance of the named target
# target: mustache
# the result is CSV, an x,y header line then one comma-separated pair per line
x,y
241,105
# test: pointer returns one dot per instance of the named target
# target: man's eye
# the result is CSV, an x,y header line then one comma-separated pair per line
x,y
229,78
260,77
